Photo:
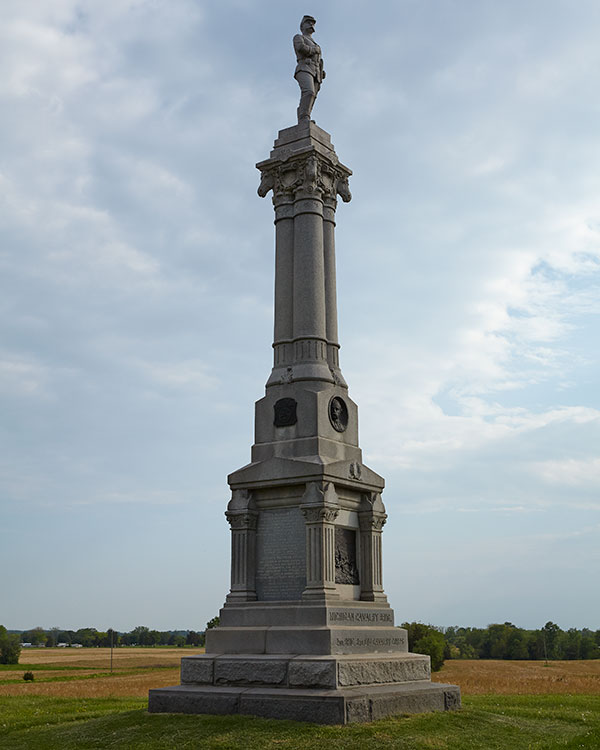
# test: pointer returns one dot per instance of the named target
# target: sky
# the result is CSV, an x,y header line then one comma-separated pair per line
x,y
136,286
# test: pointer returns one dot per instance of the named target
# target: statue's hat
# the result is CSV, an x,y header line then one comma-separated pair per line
x,y
307,18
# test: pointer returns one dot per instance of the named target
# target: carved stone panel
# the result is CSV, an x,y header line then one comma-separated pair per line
x,y
346,569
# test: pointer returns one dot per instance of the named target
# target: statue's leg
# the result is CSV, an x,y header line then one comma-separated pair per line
x,y
307,95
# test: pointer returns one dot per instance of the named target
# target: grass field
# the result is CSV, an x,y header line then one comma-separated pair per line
x,y
75,702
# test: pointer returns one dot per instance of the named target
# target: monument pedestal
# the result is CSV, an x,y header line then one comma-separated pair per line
x,y
306,632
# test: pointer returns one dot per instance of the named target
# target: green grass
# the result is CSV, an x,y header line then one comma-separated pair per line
x,y
485,723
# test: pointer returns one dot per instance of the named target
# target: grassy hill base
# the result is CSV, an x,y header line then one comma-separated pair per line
x,y
540,722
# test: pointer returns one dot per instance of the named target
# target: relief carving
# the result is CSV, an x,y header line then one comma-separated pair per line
x,y
346,570
313,174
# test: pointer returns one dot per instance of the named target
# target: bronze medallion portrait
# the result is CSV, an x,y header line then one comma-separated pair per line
x,y
338,414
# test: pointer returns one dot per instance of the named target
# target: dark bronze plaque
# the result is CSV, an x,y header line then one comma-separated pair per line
x,y
285,412
338,414
346,570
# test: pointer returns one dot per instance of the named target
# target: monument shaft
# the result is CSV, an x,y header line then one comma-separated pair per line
x,y
306,631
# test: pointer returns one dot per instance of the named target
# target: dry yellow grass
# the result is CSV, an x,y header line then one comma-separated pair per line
x,y
136,670
99,658
495,677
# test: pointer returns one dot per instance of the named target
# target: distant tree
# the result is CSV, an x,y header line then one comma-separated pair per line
x,y
425,639
214,623
154,637
10,647
179,641
36,636
64,637
193,638
551,635
85,637
141,635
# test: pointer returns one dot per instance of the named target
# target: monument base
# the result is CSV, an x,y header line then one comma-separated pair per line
x,y
331,689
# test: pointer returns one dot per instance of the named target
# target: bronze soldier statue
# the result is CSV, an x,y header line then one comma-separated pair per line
x,y
309,71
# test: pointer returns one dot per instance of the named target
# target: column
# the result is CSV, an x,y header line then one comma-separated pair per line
x,y
309,271
284,279
320,508
371,519
331,328
243,521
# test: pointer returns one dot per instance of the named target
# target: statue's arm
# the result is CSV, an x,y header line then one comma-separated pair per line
x,y
302,47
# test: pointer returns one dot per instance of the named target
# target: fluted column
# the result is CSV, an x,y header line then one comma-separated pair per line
x,y
243,521
320,508
284,277
371,519
331,328
309,270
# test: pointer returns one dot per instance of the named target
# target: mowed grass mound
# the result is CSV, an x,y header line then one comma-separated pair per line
x,y
76,703
485,723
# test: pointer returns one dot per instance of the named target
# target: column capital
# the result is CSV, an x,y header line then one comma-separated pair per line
x,y
310,173
320,503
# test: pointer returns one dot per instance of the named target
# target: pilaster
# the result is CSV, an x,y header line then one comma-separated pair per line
x,y
320,507
371,519
242,520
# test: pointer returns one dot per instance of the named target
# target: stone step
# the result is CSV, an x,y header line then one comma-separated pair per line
x,y
306,640
341,706
301,671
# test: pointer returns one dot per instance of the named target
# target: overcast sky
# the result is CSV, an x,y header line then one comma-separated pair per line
x,y
136,273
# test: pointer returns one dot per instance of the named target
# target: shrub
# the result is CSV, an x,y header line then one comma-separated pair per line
x,y
28,677
10,647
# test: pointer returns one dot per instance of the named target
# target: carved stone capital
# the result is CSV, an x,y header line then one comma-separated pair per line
x,y
242,521
320,503
306,175
371,521
319,514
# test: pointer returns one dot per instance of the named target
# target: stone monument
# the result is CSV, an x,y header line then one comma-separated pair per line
x,y
306,631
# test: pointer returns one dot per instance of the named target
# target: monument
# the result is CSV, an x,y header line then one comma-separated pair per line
x,y
306,631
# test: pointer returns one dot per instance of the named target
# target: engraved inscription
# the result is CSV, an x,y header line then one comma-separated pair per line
x,y
349,642
280,555
285,412
346,570
360,617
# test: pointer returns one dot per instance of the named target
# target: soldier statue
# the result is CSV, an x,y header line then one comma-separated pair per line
x,y
309,71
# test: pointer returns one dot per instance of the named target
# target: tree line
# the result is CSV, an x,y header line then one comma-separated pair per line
x,y
502,641
10,642
496,641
